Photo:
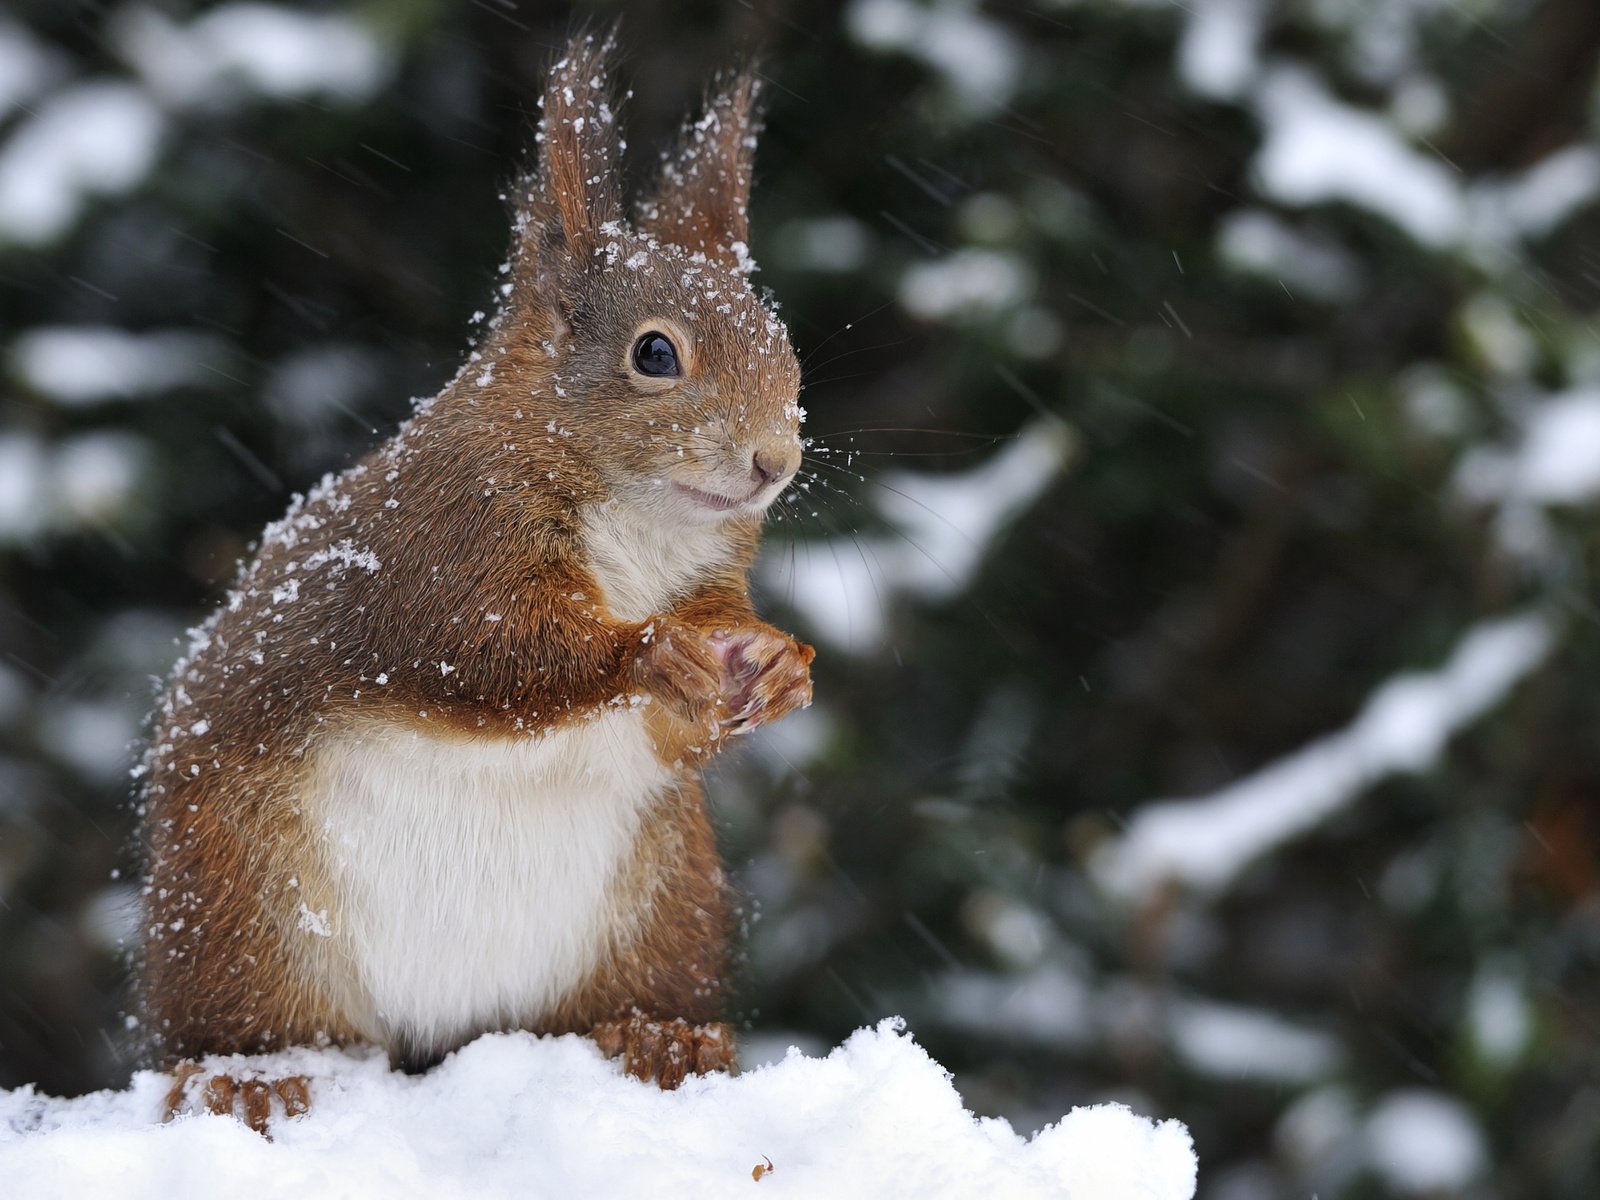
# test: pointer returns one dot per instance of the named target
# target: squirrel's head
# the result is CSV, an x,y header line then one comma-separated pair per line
x,y
676,376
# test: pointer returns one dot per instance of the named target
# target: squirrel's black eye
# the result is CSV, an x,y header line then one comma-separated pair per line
x,y
654,354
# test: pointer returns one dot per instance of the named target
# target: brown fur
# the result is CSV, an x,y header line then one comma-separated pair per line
x,y
702,194
444,581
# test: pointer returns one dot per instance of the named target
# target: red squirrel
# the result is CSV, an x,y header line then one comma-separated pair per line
x,y
433,768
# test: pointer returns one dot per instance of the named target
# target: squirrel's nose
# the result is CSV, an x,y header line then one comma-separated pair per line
x,y
771,463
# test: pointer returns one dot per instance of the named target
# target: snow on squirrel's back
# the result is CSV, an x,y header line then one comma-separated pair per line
x,y
514,1115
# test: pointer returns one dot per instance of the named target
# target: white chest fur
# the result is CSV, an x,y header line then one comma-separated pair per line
x,y
470,885
642,559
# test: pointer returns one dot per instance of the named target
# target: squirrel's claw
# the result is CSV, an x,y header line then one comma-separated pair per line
x,y
765,675
666,1051
679,668
249,1099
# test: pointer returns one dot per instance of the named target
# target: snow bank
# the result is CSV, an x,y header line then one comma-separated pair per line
x,y
514,1115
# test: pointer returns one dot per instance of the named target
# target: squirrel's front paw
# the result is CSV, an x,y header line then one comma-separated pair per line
x,y
666,1051
679,667
765,674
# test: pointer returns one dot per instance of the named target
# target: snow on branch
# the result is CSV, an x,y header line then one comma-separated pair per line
x,y
1206,841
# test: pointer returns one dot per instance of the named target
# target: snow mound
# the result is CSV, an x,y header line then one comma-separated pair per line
x,y
515,1115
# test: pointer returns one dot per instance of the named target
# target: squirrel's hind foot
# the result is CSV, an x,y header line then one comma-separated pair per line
x,y
248,1099
666,1051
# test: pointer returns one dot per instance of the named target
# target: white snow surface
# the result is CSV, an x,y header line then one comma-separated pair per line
x,y
1052,1005
978,59
1557,460
85,364
947,523
87,480
950,521
1218,52
517,1116
1553,461
1537,200
95,138
1318,149
1227,1041
236,51
967,283
1424,1143
24,472
1206,841
1057,1004
1258,242
26,67
97,475
1498,1015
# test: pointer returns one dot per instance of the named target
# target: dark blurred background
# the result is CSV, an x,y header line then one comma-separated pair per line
x,y
1205,403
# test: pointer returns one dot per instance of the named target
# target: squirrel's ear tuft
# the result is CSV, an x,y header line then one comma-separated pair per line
x,y
579,171
702,194
562,206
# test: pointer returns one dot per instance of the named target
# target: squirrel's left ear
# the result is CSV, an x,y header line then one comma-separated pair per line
x,y
702,193
565,207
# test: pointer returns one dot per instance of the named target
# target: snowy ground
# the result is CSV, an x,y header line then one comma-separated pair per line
x,y
512,1115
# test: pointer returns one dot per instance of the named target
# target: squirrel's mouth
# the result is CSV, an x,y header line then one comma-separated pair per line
x,y
715,501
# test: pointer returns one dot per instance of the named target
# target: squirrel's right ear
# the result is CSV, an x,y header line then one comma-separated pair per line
x,y
702,195
564,207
